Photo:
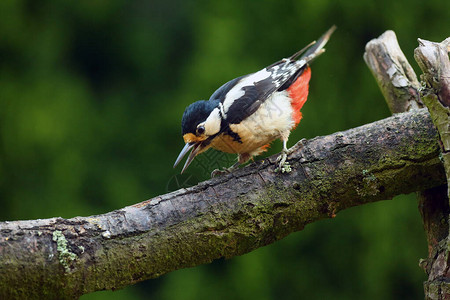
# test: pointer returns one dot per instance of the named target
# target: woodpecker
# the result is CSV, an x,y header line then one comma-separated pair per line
x,y
247,113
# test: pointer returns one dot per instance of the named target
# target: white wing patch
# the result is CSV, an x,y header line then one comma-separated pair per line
x,y
236,92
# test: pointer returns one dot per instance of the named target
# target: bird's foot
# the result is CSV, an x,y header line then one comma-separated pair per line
x,y
283,165
223,171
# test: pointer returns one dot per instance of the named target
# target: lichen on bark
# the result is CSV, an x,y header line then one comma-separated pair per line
x,y
66,257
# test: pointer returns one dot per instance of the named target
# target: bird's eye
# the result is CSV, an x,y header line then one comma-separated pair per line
x,y
201,129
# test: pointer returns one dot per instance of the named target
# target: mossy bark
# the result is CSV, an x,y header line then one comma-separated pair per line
x,y
223,217
434,61
401,89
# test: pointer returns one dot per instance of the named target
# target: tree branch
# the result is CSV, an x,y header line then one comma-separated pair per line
x,y
393,73
434,61
400,87
223,217
389,66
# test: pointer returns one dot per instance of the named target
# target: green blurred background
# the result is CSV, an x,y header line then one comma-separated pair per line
x,y
91,98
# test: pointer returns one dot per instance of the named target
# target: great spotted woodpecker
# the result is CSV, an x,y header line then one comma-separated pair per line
x,y
249,112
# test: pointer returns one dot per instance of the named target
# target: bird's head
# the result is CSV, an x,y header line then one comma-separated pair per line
x,y
200,124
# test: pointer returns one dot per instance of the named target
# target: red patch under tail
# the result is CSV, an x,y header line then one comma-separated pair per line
x,y
264,148
298,91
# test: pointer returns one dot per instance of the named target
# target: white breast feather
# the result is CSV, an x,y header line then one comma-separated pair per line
x,y
272,119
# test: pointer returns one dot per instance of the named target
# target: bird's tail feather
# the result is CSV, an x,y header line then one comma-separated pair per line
x,y
314,49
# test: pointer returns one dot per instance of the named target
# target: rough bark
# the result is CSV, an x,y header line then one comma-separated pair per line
x,y
434,61
223,217
401,89
434,208
393,73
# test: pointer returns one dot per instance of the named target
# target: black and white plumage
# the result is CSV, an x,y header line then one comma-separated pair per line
x,y
247,113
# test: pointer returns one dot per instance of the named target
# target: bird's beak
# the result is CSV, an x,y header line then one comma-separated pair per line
x,y
195,149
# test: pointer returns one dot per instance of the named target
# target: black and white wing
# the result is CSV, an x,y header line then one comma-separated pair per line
x,y
242,96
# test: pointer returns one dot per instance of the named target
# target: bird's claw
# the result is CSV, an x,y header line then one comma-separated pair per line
x,y
283,165
217,172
